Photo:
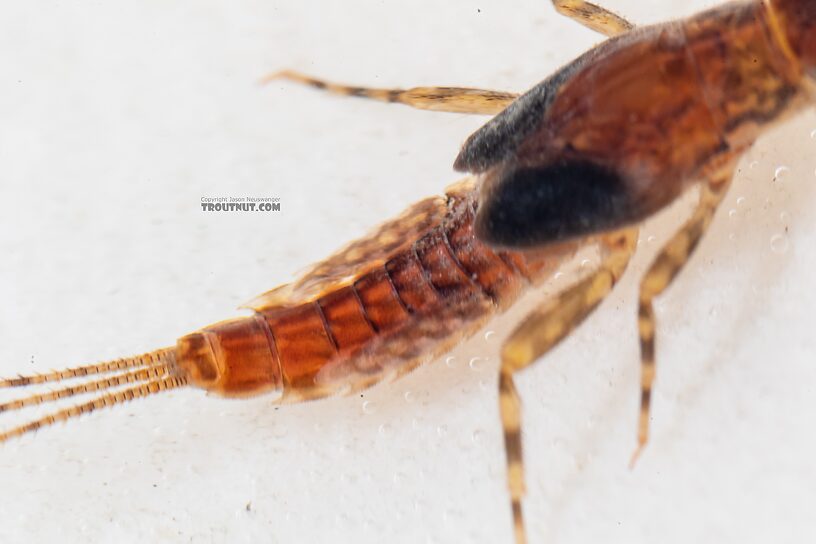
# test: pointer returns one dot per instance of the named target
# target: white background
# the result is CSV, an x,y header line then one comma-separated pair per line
x,y
116,118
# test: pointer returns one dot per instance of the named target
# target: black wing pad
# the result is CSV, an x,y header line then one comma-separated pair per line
x,y
499,138
531,206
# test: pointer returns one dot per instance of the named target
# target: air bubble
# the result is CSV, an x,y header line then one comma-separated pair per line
x,y
740,201
732,213
385,429
489,334
813,134
369,407
784,217
451,362
409,396
651,239
477,436
779,243
442,430
477,364
753,164
781,173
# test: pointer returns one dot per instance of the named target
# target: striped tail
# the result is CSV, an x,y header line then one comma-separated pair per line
x,y
152,373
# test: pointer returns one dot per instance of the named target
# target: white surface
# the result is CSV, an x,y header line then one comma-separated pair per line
x,y
118,117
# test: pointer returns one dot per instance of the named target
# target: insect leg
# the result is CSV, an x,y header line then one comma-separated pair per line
x,y
540,331
674,255
448,99
593,16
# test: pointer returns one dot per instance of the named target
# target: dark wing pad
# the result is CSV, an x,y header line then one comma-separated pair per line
x,y
533,206
499,138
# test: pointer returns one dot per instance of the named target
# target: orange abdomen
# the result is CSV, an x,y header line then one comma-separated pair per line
x,y
418,301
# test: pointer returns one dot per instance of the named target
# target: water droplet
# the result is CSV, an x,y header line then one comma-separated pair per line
x,y
779,243
651,239
585,263
740,201
781,173
732,237
385,429
813,134
784,217
369,407
732,213
451,362
477,364
753,164
488,335
398,478
409,396
442,430
477,436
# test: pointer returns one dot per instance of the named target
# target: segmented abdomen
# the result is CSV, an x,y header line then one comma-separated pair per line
x,y
419,302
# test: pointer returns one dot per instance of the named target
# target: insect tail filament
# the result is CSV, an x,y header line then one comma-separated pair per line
x,y
146,359
104,401
157,371
149,373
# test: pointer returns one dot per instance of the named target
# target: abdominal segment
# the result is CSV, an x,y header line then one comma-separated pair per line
x,y
410,307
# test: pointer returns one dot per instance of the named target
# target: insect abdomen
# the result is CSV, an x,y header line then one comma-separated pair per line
x,y
416,303
387,320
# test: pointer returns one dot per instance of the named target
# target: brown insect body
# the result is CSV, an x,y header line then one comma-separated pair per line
x,y
608,140
389,311
635,121
578,160
655,109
